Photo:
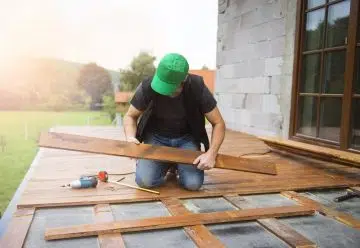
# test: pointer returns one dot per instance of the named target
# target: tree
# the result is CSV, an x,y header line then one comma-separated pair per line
x,y
96,81
109,105
141,67
205,67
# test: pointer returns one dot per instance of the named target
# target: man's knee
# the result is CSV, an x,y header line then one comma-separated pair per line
x,y
148,174
192,182
146,181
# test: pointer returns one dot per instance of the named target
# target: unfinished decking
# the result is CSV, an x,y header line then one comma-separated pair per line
x,y
57,167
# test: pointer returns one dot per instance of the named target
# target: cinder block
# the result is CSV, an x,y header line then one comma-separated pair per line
x,y
222,29
237,70
246,69
273,66
259,85
236,56
288,65
250,19
249,5
246,51
227,113
229,35
255,131
276,28
223,85
275,84
225,99
227,71
266,121
238,101
264,13
254,102
242,38
267,31
270,104
243,117
255,68
289,43
231,12
263,49
230,125
277,47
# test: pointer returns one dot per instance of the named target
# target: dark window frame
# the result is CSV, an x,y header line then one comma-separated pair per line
x,y
348,95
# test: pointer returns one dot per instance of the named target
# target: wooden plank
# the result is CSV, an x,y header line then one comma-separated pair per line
x,y
256,187
175,221
199,233
58,167
323,153
103,214
287,234
282,231
18,228
161,153
340,216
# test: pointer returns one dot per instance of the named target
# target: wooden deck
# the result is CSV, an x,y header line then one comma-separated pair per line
x,y
53,168
59,167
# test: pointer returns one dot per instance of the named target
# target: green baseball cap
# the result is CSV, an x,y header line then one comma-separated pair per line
x,y
172,70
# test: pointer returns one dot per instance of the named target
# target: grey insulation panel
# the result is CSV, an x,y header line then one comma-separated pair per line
x,y
324,231
160,238
60,217
350,206
245,234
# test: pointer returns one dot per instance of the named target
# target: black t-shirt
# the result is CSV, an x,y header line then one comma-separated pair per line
x,y
169,116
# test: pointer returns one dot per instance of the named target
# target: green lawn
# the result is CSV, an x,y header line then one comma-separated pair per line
x,y
17,149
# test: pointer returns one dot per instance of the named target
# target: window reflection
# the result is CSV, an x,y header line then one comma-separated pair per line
x,y
337,24
307,116
314,29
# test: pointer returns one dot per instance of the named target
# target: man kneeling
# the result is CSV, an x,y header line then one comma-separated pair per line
x,y
172,107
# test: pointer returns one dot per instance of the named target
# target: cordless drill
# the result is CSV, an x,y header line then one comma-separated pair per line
x,y
83,182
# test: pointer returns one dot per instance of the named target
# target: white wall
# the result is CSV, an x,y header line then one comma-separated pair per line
x,y
255,50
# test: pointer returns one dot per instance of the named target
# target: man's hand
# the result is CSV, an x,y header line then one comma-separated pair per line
x,y
205,161
133,140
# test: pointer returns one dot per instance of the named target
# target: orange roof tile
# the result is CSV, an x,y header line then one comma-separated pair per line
x,y
208,76
123,97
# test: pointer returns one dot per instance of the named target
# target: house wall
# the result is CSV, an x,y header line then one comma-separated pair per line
x,y
255,52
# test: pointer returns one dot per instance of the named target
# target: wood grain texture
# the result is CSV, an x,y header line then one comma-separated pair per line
x,y
103,214
202,237
340,216
175,221
57,167
18,228
282,231
324,153
145,151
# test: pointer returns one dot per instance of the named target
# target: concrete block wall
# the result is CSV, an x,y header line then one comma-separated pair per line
x,y
255,51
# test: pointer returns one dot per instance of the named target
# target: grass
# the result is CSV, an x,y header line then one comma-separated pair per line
x,y
17,150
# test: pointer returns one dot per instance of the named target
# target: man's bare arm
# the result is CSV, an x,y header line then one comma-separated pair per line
x,y
130,123
206,161
218,130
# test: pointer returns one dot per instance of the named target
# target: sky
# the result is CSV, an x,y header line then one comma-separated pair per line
x,y
108,32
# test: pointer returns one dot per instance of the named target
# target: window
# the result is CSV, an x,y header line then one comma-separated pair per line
x,y
326,105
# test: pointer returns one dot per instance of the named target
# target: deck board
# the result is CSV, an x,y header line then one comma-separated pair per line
x,y
58,167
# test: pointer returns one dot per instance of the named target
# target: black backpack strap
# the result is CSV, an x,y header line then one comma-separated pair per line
x,y
150,96
194,87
